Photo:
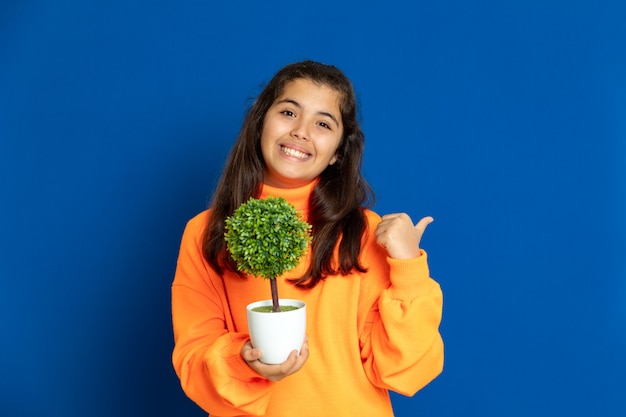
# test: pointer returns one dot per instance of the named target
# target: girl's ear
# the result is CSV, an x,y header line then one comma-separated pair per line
x,y
333,159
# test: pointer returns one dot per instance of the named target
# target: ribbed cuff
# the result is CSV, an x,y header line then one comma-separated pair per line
x,y
236,365
410,278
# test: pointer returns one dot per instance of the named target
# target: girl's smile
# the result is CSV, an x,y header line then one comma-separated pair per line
x,y
301,133
294,153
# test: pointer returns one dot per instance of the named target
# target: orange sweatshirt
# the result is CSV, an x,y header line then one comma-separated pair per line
x,y
367,332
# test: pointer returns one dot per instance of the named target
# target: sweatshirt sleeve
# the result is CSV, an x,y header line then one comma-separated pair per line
x,y
401,347
206,354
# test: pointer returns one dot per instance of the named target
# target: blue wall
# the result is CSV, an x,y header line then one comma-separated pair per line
x,y
506,120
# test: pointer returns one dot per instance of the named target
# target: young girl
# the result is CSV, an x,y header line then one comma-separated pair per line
x,y
373,312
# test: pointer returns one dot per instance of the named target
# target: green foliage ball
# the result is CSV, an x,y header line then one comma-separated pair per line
x,y
267,238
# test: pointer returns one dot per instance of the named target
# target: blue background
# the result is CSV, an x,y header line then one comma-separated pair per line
x,y
505,120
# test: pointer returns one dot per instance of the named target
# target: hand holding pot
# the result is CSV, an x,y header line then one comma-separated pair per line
x,y
275,372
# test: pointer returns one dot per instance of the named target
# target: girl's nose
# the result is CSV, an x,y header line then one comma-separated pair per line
x,y
299,131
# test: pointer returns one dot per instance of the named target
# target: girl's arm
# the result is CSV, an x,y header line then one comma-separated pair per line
x,y
401,347
207,352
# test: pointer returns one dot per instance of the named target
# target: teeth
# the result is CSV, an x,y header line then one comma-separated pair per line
x,y
293,152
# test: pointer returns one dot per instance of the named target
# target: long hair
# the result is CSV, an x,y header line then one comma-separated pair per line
x,y
338,200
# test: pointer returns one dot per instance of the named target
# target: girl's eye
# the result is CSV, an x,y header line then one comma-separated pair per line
x,y
325,125
288,113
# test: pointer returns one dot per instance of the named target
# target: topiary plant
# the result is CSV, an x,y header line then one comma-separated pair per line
x,y
267,238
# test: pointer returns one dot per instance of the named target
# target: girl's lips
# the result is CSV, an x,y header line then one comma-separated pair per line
x,y
294,152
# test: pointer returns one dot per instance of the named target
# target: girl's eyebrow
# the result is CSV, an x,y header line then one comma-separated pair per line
x,y
322,113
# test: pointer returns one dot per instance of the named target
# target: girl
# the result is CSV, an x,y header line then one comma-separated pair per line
x,y
373,312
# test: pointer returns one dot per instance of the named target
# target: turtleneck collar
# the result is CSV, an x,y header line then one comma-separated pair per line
x,y
299,197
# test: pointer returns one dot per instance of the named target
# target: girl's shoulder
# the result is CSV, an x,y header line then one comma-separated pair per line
x,y
196,225
371,222
199,219
371,216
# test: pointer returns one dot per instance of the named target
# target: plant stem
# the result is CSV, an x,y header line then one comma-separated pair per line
x,y
274,288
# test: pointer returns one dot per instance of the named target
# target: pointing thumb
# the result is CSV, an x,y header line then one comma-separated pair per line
x,y
423,223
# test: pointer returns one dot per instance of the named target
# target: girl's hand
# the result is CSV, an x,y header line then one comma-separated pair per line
x,y
397,234
275,372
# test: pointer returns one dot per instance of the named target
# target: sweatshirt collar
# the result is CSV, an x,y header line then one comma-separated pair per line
x,y
299,197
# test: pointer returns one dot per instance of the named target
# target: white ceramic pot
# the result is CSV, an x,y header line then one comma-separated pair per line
x,y
277,334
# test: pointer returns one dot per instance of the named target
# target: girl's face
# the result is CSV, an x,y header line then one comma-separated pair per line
x,y
301,133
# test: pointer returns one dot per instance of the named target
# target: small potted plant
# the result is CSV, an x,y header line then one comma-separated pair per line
x,y
266,238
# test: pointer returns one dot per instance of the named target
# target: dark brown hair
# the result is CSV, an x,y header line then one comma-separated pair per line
x,y
336,205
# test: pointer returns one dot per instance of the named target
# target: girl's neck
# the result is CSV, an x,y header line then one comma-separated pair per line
x,y
299,197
